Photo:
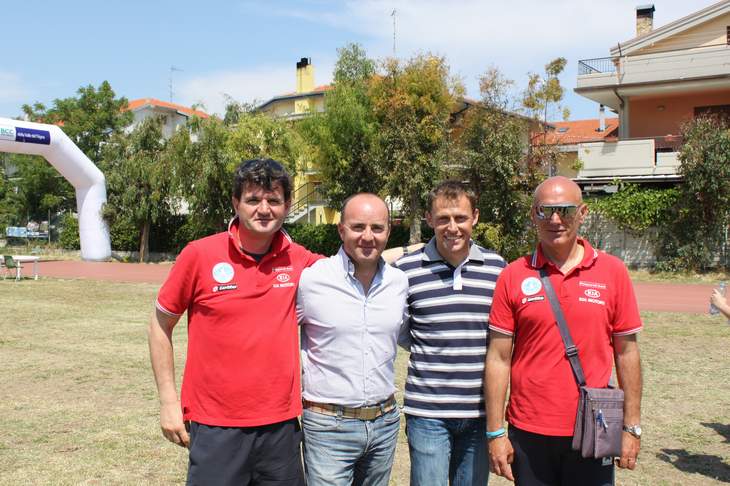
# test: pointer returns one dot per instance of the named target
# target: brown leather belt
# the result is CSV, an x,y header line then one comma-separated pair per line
x,y
370,412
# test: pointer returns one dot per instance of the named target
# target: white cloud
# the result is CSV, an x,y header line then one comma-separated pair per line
x,y
518,36
258,84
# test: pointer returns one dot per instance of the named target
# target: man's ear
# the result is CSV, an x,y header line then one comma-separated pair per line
x,y
582,212
429,220
341,230
235,202
476,217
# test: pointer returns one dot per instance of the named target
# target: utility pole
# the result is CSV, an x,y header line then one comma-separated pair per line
x,y
172,70
392,14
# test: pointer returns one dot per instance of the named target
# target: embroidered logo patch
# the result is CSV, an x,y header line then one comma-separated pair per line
x,y
595,285
223,272
592,293
283,277
531,286
221,288
537,298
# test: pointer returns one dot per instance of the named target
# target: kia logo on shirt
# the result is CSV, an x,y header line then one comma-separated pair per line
x,y
592,293
283,277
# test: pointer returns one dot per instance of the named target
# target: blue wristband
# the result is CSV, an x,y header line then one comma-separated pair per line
x,y
497,433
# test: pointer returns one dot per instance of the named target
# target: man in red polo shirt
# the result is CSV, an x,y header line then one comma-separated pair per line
x,y
527,352
241,385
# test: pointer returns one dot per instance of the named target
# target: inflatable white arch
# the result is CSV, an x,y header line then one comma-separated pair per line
x,y
50,142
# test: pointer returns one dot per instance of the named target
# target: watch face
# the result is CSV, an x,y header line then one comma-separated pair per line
x,y
637,430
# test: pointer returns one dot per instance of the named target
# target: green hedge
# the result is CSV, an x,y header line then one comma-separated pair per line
x,y
171,235
325,239
68,232
168,235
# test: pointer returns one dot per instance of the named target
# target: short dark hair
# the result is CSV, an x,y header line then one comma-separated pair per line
x,y
452,190
261,172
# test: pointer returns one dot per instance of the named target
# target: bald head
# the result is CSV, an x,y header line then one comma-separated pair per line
x,y
355,202
557,189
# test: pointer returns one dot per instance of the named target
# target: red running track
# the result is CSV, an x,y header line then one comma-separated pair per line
x,y
659,297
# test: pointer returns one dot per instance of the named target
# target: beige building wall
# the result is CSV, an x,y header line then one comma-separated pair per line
x,y
708,34
664,115
280,108
566,164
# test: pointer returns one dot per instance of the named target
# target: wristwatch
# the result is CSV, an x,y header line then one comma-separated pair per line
x,y
634,430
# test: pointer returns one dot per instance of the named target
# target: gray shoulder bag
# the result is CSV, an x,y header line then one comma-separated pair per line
x,y
600,417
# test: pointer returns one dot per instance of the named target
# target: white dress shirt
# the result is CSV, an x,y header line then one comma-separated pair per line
x,y
349,338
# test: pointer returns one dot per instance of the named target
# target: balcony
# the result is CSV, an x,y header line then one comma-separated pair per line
x,y
657,73
596,66
645,158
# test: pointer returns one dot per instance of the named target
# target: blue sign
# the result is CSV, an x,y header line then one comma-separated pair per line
x,y
16,232
31,135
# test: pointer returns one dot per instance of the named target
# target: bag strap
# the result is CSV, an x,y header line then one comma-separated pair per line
x,y
571,351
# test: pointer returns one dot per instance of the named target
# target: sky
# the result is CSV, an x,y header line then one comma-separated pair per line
x,y
247,50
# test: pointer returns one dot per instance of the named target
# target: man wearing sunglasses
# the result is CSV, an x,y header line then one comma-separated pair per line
x,y
527,352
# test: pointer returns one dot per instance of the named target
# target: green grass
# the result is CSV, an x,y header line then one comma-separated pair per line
x,y
79,405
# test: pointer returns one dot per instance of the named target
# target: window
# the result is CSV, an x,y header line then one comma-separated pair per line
x,y
716,110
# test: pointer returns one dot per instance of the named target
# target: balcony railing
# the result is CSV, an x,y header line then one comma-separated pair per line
x,y
598,65
650,156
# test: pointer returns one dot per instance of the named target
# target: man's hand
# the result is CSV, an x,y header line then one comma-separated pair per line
x,y
501,455
172,425
629,451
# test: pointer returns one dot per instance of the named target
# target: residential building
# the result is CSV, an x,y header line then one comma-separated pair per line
x,y
567,136
174,115
307,98
655,82
308,204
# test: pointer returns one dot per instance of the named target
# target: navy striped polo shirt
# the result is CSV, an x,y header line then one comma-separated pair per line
x,y
448,311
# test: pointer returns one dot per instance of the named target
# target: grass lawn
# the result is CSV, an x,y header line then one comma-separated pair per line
x,y
78,403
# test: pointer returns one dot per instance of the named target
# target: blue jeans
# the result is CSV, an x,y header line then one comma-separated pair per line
x,y
344,451
452,451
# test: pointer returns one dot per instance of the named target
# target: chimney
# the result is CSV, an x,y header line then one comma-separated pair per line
x,y
602,119
305,75
644,19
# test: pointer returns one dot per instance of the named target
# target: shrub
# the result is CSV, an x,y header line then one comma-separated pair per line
x,y
68,232
325,239
322,238
509,246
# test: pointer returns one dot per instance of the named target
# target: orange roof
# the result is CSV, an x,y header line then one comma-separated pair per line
x,y
318,89
142,102
572,132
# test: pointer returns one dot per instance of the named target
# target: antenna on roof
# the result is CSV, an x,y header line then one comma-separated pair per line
x,y
392,14
172,70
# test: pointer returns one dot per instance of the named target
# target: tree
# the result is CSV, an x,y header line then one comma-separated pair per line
x,y
700,222
412,103
40,188
491,145
544,90
342,137
206,155
89,119
138,173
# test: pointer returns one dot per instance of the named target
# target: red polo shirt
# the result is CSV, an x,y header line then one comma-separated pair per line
x,y
242,365
598,302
